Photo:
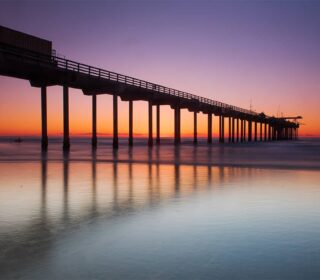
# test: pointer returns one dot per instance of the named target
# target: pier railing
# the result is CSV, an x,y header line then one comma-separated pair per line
x,y
70,65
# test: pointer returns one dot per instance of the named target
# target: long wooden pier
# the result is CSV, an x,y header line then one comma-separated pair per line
x,y
43,70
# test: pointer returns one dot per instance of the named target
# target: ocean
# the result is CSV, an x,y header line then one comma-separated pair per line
x,y
231,211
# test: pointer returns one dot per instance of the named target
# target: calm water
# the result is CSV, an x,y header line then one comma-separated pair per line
x,y
247,211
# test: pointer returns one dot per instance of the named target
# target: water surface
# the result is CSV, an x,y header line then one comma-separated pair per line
x,y
247,211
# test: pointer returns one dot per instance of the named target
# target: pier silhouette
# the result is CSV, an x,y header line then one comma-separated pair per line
x,y
37,62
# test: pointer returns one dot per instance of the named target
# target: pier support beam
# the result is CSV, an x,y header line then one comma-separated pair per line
x,y
237,129
269,132
195,128
265,131
250,131
44,131
232,130
94,121
229,130
177,126
260,131
115,122
244,130
241,130
150,128
220,129
158,125
255,131
130,123
66,141
209,128
273,133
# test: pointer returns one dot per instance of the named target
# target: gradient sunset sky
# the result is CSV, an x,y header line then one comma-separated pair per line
x,y
266,53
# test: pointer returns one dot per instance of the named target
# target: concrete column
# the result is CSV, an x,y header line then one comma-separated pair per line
x,y
94,121
130,123
115,122
229,129
232,130
150,138
209,128
237,129
44,132
177,126
66,141
158,124
265,131
222,132
219,129
195,128
244,130
250,131
241,131
260,131
269,131
255,131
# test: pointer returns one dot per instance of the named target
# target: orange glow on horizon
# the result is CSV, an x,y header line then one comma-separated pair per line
x,y
20,115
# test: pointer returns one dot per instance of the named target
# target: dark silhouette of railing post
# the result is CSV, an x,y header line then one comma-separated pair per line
x,y
255,131
177,125
44,131
237,129
150,128
195,128
115,143
130,123
158,125
209,128
94,121
66,141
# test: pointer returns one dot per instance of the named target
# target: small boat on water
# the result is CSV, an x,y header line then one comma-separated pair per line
x,y
18,140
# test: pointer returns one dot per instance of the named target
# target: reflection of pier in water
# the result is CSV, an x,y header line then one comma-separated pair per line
x,y
93,190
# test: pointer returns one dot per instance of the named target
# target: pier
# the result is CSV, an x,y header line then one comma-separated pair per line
x,y
45,68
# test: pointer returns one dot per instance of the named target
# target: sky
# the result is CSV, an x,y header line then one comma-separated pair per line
x,y
262,55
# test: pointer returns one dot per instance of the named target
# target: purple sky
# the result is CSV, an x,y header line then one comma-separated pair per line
x,y
231,51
